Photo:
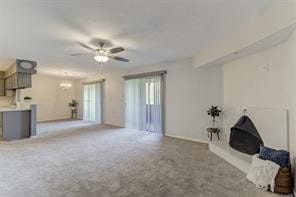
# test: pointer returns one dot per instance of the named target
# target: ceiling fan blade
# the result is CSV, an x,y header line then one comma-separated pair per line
x,y
85,46
116,50
80,54
119,58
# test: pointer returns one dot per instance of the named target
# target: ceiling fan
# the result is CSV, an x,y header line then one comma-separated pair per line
x,y
101,54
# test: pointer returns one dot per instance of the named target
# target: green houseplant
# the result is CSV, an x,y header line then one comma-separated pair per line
x,y
27,98
73,104
214,112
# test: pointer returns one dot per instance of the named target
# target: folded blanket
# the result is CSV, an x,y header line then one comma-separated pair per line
x,y
280,157
262,173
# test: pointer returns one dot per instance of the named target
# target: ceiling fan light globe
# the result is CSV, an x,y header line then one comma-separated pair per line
x,y
101,58
101,51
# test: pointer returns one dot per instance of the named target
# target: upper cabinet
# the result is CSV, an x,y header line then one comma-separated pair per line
x,y
18,81
2,87
18,76
2,83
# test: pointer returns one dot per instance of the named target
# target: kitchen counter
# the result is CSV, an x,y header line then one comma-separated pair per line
x,y
13,108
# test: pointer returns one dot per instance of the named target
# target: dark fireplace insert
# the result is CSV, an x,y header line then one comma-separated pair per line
x,y
244,136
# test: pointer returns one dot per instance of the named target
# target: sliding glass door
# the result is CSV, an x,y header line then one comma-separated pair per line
x,y
144,106
92,102
153,86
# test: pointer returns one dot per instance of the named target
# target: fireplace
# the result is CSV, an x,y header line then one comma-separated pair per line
x,y
244,136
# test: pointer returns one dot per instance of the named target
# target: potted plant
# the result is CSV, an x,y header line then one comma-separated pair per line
x,y
214,112
73,104
27,99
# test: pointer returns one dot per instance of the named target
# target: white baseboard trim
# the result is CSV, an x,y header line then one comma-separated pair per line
x,y
189,139
54,120
114,125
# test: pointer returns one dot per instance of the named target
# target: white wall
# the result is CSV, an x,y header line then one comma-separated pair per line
x,y
245,84
113,112
277,16
189,93
52,101
4,101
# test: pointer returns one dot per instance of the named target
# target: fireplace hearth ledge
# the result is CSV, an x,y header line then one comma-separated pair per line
x,y
240,160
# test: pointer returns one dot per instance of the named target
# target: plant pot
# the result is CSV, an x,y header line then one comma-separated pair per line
x,y
27,103
214,123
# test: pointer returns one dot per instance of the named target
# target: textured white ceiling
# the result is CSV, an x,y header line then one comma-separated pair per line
x,y
152,31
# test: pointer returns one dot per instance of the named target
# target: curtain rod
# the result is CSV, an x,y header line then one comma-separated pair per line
x,y
134,76
92,82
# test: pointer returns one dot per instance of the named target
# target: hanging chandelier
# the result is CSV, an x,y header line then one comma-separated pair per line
x,y
65,84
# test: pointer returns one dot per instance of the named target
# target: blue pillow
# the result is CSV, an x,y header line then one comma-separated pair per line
x,y
280,157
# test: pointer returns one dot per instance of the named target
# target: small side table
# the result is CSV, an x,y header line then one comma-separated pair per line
x,y
213,130
73,113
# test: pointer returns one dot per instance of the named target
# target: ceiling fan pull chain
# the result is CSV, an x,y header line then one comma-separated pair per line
x,y
100,68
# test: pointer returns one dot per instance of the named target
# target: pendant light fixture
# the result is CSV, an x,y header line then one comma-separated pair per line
x,y
65,84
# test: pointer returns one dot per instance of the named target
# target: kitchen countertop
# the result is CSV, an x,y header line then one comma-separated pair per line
x,y
13,108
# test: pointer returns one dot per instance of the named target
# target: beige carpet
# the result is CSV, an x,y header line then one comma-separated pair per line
x,y
76,158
